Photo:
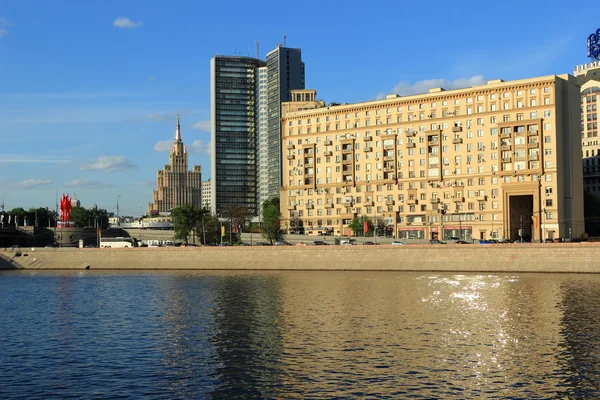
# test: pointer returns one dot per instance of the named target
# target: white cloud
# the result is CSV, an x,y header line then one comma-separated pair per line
x,y
202,125
198,146
109,164
3,32
32,183
163,146
87,184
8,158
406,88
126,23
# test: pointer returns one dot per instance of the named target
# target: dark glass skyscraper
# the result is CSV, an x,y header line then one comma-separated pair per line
x,y
285,72
246,96
233,131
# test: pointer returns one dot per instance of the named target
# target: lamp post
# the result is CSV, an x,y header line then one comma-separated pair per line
x,y
118,219
2,206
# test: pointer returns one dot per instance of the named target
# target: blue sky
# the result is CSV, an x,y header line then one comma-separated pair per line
x,y
89,90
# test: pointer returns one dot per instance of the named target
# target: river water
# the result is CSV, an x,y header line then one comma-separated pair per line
x,y
221,335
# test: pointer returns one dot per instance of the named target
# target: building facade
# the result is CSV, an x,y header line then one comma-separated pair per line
x,y
206,194
233,86
589,76
501,161
176,186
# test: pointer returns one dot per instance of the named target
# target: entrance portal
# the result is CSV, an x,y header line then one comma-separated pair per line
x,y
521,211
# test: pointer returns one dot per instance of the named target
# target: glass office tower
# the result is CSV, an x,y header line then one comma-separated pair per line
x,y
233,132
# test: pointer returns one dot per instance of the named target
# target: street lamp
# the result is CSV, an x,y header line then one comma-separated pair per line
x,y
118,219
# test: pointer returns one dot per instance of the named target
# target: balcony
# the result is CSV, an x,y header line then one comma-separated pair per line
x,y
291,157
368,204
412,202
328,153
328,205
367,149
533,132
482,198
505,135
457,141
506,159
411,133
534,157
434,165
291,207
310,206
521,158
533,145
506,147
291,146
390,202
388,158
458,199
367,138
309,182
347,150
435,200
411,145
388,147
309,174
328,143
457,129
389,167
347,161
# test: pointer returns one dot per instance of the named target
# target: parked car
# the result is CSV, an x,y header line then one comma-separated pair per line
x,y
282,243
398,243
370,243
263,244
436,241
319,243
460,242
548,240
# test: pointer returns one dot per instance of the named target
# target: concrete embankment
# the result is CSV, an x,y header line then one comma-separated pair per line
x,y
559,257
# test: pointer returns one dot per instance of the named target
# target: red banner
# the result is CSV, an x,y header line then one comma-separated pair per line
x,y
366,227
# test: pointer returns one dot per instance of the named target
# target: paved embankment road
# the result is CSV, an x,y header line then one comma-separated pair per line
x,y
533,257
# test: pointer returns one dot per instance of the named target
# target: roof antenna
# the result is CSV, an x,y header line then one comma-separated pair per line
x,y
284,40
256,48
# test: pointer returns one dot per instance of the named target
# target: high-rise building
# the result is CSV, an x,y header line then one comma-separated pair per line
x,y
177,186
285,72
246,96
206,194
233,86
589,76
496,161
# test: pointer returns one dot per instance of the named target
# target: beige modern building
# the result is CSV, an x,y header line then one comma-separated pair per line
x,y
206,194
176,186
589,76
499,160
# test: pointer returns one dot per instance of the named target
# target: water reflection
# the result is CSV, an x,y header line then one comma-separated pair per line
x,y
580,358
298,334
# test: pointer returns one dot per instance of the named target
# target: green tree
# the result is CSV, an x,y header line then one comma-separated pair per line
x,y
80,217
44,217
271,217
185,222
358,225
208,227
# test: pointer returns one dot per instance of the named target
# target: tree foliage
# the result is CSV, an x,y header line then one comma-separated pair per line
x,y
89,217
271,217
358,225
185,221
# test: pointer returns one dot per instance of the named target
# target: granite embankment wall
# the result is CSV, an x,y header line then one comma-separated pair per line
x,y
558,257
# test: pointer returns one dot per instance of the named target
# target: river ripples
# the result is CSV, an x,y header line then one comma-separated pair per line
x,y
191,335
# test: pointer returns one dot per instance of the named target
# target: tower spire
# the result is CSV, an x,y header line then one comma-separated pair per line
x,y
178,131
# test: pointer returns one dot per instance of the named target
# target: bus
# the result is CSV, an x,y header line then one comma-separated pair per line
x,y
118,242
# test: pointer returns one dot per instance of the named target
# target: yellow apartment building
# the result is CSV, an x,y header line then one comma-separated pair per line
x,y
501,160
589,77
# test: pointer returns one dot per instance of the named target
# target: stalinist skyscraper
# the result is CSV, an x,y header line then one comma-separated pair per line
x,y
176,186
